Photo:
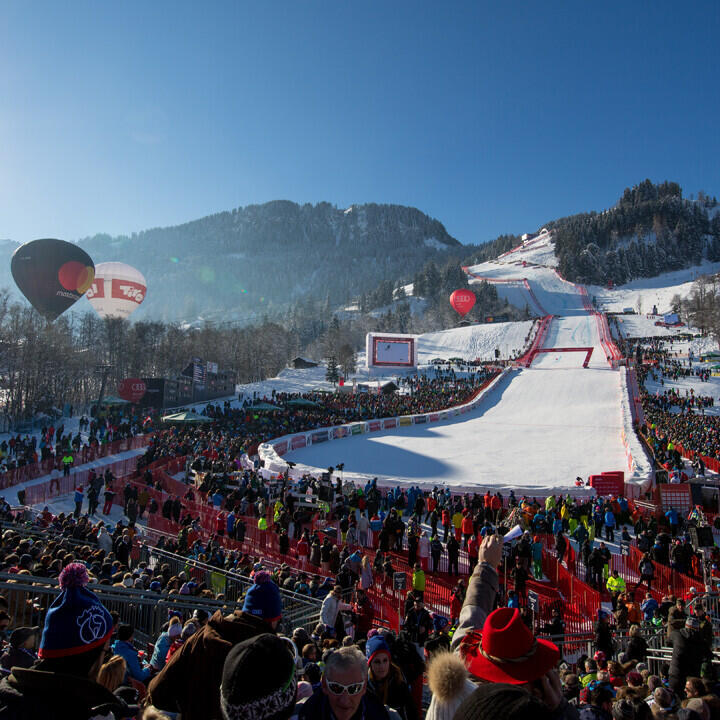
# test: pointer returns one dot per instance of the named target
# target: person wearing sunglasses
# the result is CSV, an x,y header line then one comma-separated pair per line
x,y
343,692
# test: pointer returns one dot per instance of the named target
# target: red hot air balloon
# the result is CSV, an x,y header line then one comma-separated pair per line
x,y
463,301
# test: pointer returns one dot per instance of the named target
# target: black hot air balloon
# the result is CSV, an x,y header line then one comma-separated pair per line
x,y
52,274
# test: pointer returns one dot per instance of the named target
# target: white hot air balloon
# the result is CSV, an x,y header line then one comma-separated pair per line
x,y
117,290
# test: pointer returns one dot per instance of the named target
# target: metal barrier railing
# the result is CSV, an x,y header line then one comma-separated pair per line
x,y
30,597
298,610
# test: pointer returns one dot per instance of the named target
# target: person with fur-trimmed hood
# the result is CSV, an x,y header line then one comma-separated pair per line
x,y
449,684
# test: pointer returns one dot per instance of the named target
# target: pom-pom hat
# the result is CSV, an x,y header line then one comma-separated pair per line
x,y
76,622
263,598
505,650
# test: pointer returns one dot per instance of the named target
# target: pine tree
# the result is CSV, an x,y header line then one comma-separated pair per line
x,y
331,374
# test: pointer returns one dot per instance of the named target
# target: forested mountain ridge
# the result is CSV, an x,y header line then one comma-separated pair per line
x,y
651,230
241,265
263,258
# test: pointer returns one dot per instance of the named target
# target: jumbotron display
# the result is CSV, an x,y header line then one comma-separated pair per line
x,y
390,350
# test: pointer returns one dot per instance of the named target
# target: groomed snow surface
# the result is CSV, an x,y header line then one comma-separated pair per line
x,y
538,428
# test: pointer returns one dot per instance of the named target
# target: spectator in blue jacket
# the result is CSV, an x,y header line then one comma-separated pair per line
x,y
610,525
124,648
163,643
648,606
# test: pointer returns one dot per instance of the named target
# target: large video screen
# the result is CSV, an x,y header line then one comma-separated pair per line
x,y
391,351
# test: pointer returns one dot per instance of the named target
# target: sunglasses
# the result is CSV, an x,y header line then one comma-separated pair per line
x,y
351,689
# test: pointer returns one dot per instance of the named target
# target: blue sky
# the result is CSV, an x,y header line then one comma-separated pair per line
x,y
491,117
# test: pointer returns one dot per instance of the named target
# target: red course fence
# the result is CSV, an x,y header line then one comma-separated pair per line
x,y
86,455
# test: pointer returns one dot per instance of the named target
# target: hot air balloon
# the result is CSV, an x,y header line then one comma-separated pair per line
x,y
462,301
117,291
52,274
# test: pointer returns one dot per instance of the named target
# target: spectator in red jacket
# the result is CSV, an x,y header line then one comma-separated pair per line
x,y
466,527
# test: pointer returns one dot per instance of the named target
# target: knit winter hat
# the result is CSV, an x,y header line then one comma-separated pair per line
x,y
258,680
76,622
175,630
449,684
374,645
692,623
263,598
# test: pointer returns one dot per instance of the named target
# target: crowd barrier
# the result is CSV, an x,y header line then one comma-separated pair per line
x,y
45,491
612,353
710,463
665,579
575,591
527,358
87,454
639,463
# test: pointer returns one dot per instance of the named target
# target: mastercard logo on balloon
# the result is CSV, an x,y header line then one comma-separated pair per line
x,y
76,277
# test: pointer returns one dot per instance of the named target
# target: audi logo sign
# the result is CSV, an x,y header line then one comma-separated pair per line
x,y
132,389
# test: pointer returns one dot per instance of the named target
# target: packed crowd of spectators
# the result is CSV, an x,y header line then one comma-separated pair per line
x,y
673,418
80,661
53,443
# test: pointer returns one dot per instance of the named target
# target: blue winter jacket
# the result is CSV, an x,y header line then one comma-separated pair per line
x,y
161,650
134,669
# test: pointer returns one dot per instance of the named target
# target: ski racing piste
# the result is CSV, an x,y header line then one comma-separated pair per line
x,y
537,426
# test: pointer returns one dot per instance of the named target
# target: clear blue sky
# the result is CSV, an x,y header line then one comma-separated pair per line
x,y
492,117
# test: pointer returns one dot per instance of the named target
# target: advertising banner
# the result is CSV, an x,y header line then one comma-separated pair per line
x,y
298,441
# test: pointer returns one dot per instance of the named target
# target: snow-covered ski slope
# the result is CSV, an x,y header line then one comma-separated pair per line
x,y
474,341
470,343
539,427
538,430
651,291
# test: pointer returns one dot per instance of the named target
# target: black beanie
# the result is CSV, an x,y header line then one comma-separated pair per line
x,y
500,701
258,680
